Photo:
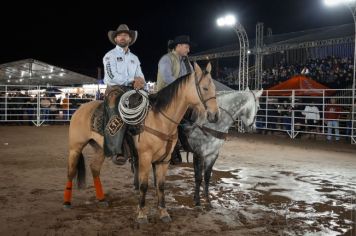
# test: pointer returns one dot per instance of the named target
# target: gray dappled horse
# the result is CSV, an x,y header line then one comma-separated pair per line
x,y
205,139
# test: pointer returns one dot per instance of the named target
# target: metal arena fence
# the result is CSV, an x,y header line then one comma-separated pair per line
x,y
286,111
38,104
299,112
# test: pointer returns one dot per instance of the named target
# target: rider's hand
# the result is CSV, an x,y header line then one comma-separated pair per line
x,y
139,83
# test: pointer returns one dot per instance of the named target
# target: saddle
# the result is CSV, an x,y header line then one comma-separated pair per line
x,y
99,124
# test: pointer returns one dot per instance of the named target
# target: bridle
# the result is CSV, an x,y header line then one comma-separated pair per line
x,y
232,118
197,85
255,117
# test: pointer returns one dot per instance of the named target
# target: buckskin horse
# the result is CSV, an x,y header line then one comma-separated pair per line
x,y
154,144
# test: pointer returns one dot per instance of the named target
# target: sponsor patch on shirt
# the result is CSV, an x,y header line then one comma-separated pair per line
x,y
120,59
107,58
133,61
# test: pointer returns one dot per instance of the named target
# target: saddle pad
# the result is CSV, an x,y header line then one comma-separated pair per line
x,y
97,120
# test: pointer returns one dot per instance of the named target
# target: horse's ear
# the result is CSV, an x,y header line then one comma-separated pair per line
x,y
197,69
208,68
259,93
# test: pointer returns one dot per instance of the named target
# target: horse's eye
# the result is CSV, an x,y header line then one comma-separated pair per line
x,y
206,89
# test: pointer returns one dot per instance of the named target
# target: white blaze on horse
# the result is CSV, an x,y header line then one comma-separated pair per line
x,y
154,144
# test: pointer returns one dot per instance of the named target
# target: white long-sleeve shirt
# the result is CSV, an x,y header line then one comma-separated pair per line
x,y
121,67
311,113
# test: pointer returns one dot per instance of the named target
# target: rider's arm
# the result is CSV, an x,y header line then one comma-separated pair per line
x,y
165,69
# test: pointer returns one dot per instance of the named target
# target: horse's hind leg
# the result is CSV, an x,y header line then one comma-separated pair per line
x,y
95,167
161,171
76,166
208,167
198,170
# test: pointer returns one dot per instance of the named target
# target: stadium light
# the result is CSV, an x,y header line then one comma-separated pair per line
x,y
228,20
337,2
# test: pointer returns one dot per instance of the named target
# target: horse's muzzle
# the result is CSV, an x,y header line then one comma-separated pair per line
x,y
213,117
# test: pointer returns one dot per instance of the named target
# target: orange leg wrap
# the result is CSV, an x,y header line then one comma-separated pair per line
x,y
98,189
68,192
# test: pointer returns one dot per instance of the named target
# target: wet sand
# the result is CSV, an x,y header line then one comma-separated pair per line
x,y
261,185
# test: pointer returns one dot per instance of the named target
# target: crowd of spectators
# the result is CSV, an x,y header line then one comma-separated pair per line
x,y
334,72
18,106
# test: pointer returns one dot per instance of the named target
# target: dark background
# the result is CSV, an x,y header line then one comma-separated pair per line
x,y
73,35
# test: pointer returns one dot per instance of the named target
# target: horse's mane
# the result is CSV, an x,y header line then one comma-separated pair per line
x,y
162,99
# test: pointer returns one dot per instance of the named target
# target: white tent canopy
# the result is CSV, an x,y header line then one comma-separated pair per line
x,y
33,72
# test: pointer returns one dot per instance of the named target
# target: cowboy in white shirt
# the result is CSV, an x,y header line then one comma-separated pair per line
x,y
122,73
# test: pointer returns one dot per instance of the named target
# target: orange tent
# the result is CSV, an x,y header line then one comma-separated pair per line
x,y
302,85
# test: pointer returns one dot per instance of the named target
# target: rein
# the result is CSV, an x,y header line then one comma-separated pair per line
x,y
222,135
164,137
255,117
197,82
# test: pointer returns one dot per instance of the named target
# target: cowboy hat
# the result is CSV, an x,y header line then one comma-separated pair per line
x,y
181,39
122,29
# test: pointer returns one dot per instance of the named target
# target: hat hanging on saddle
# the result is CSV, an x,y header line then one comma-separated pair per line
x,y
123,28
181,39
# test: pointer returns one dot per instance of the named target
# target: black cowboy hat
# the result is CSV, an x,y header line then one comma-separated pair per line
x,y
181,39
122,29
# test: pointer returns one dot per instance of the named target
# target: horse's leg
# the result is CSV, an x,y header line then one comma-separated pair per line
x,y
154,175
209,162
144,171
95,167
76,166
134,168
198,166
161,171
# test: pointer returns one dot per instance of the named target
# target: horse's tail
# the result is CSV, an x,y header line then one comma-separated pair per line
x,y
81,172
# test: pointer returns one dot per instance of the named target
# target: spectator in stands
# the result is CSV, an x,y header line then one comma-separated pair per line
x,y
285,111
45,105
349,119
53,111
305,71
2,105
65,106
272,115
312,116
332,116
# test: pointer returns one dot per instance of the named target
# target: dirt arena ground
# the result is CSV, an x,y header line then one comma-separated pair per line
x,y
261,185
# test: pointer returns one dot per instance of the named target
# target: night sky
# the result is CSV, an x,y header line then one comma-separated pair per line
x,y
74,35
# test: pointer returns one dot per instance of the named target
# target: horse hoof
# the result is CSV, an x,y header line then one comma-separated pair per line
x,y
67,206
142,220
103,203
166,219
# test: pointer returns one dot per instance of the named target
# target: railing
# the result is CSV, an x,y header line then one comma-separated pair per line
x,y
284,111
37,105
